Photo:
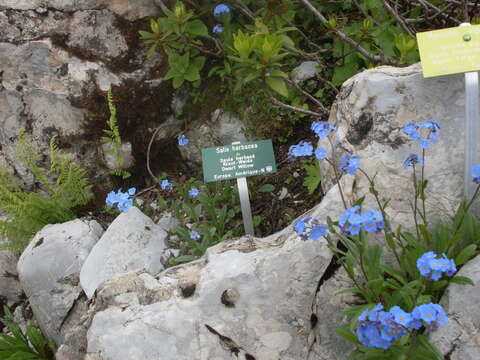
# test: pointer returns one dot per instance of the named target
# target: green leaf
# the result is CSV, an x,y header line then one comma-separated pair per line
x,y
277,84
462,280
146,35
466,254
196,28
346,333
344,72
171,74
278,73
199,62
266,188
424,350
192,74
439,285
178,81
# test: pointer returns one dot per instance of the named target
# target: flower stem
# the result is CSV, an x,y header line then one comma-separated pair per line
x,y
415,203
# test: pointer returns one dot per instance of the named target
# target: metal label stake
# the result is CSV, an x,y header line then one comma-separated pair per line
x,y
472,126
245,203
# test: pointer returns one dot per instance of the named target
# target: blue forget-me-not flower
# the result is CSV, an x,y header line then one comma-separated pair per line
x,y
432,267
476,174
322,128
411,160
217,29
303,148
310,229
182,140
221,9
349,164
193,192
194,235
166,185
123,200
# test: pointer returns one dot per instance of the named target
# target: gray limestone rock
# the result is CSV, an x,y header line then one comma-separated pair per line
x,y
59,57
49,271
132,242
305,71
370,112
10,289
326,344
246,296
168,222
129,9
460,337
89,29
223,128
126,159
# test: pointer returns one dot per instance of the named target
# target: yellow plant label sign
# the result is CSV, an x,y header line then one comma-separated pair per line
x,y
450,51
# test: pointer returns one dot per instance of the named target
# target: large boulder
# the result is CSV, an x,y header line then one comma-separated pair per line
x,y
132,242
247,297
49,271
370,112
459,339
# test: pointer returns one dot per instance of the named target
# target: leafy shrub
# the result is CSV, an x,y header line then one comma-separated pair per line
x,y
63,187
18,345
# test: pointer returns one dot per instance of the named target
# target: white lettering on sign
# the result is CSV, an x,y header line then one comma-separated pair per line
x,y
222,176
246,173
221,150
230,168
244,147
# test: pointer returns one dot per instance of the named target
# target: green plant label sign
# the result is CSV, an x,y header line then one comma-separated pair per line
x,y
238,160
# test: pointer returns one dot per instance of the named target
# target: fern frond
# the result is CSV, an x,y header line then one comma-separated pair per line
x,y
113,131
65,186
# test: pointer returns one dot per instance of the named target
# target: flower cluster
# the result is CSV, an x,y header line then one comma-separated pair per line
x,y
122,200
166,185
414,132
303,148
349,164
380,329
310,228
182,140
193,192
432,267
352,221
476,174
322,128
412,160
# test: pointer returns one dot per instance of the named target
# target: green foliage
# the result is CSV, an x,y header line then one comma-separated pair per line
x,y
184,68
113,139
63,187
214,214
180,34
259,55
377,281
18,345
313,179
263,41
